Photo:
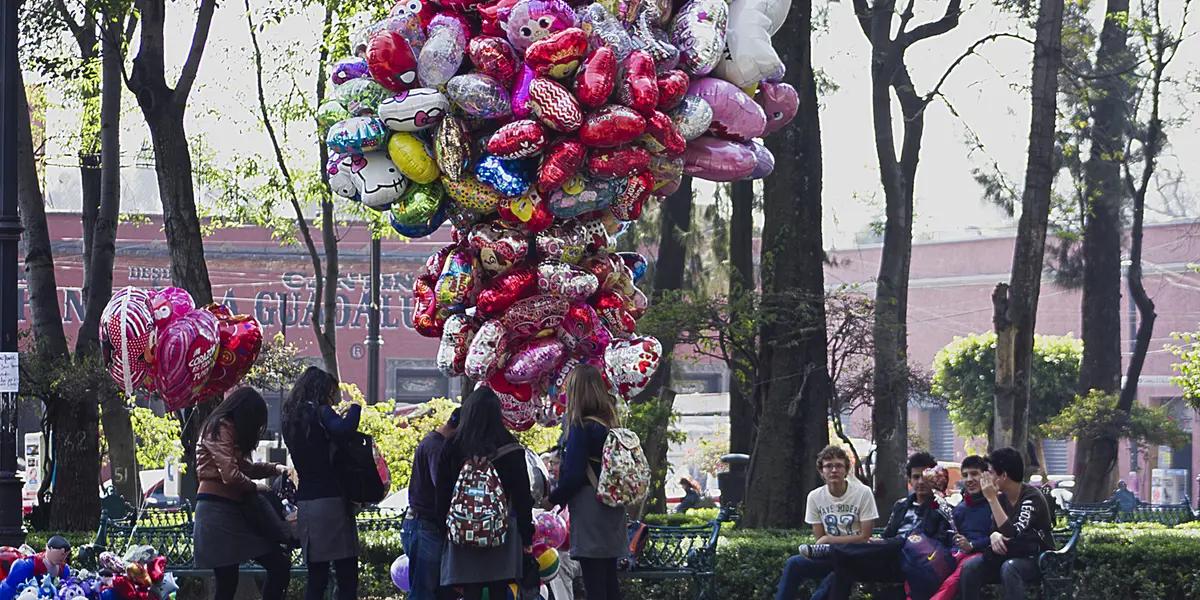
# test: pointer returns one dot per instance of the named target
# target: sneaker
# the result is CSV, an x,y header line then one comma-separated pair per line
x,y
815,550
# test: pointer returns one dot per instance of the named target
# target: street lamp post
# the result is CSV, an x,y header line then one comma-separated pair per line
x,y
11,531
373,339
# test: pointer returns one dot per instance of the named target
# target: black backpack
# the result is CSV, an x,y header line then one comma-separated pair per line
x,y
354,464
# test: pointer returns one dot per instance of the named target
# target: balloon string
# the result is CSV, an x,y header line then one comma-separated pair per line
x,y
125,342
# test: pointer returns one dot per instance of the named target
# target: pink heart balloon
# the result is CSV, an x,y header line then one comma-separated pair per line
x,y
184,358
536,358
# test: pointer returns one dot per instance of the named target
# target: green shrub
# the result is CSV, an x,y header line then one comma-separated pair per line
x,y
693,517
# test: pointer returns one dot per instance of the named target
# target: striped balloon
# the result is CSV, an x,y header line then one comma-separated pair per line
x,y
127,334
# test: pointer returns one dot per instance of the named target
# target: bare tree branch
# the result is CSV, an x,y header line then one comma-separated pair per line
x,y
187,76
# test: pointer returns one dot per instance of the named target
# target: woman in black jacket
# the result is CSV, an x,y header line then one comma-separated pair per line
x,y
481,433
325,518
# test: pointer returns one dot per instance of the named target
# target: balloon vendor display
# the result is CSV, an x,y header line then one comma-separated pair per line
x,y
140,574
160,341
539,129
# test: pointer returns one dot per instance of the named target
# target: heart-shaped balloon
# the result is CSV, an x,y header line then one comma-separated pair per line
x,y
428,319
581,195
554,105
629,364
604,29
184,357
618,162
583,332
456,339
501,385
505,289
479,95
486,351
692,117
240,341
780,102
391,61
518,139
452,148
611,126
662,136
560,162
533,316
520,92
611,308
456,280
565,280
536,358
157,568
667,170
628,204
672,87
128,334
639,84
638,303
517,415
510,177
698,31
169,304
414,110
498,247
566,242
473,194
530,212
559,54
595,81
494,56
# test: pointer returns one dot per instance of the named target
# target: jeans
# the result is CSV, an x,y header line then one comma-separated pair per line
x,y
796,570
423,542
1012,573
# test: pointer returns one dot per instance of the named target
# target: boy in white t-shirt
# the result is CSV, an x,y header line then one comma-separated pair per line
x,y
841,512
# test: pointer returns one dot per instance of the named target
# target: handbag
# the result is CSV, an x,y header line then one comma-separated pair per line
x,y
358,470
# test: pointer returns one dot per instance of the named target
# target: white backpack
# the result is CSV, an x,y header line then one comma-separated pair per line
x,y
624,473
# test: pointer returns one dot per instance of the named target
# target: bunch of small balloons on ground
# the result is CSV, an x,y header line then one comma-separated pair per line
x,y
158,340
539,129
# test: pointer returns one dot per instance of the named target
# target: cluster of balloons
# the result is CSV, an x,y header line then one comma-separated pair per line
x,y
140,575
539,128
160,341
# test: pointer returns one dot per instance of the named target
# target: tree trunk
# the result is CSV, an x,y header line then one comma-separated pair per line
x,y
741,288
327,335
675,220
42,287
89,194
1100,366
795,388
75,444
1016,326
122,444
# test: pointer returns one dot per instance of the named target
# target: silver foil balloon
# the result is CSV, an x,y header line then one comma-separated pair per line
x,y
698,30
479,95
693,116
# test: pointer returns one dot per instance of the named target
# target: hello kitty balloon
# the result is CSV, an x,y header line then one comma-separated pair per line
x,y
369,178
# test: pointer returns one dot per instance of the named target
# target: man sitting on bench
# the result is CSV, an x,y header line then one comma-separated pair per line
x,y
1023,534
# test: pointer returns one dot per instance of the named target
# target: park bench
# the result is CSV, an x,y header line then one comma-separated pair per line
x,y
679,553
1109,512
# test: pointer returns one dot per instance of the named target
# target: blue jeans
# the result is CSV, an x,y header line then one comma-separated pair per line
x,y
796,570
423,542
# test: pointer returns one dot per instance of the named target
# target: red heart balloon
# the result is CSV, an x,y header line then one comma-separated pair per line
x,y
618,162
594,82
391,61
494,56
672,87
427,319
559,54
662,135
519,139
611,308
184,358
520,391
559,163
611,126
503,290
583,332
628,205
529,317
554,105
639,86
241,340
157,568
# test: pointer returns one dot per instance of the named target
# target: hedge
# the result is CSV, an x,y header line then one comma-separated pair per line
x,y
1126,560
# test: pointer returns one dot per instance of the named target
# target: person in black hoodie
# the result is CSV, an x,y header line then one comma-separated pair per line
x,y
481,433
1024,530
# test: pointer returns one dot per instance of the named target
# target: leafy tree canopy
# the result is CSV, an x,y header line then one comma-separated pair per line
x,y
1097,415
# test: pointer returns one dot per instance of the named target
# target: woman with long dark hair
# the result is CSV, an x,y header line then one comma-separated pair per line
x,y
598,532
223,536
325,518
480,434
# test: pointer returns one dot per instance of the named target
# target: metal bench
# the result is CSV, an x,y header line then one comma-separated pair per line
x,y
1109,511
679,553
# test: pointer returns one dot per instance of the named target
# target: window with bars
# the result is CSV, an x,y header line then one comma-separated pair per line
x,y
941,434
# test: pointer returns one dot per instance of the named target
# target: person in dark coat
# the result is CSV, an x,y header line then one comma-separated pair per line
x,y
325,517
481,433
598,531
422,535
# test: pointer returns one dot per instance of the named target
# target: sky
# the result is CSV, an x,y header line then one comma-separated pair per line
x,y
987,93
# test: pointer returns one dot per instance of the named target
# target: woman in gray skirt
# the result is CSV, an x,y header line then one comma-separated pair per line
x,y
223,536
481,433
325,518
598,531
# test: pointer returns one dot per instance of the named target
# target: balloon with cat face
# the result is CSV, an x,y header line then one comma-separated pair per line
x,y
369,178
